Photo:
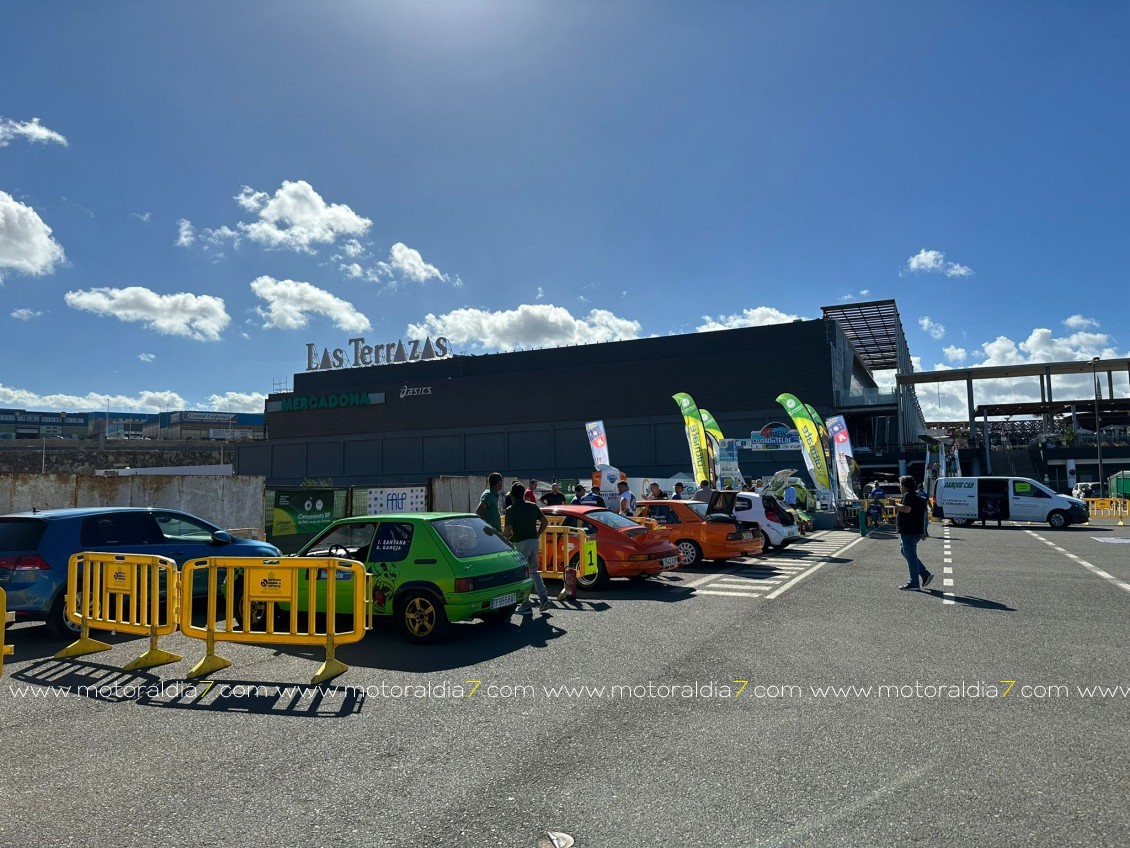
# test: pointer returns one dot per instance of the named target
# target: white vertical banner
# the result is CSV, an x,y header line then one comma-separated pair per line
x,y
598,441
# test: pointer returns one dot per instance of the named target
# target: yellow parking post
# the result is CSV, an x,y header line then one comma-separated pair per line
x,y
5,619
264,584
122,593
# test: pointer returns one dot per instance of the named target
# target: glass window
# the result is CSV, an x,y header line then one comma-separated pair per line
x,y
120,528
354,538
20,534
469,537
1024,489
610,519
178,527
698,507
662,513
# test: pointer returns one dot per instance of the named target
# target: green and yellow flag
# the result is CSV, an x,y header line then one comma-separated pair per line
x,y
809,438
696,436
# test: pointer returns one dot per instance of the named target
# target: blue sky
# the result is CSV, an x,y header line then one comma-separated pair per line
x,y
190,193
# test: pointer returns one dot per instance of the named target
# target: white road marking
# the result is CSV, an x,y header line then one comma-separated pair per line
x,y
1093,568
947,570
947,581
730,594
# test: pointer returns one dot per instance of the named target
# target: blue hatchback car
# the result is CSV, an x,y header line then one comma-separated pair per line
x,y
35,548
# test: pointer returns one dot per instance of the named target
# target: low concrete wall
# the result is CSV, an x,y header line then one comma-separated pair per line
x,y
226,501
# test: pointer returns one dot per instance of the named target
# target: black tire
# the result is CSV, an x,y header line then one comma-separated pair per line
x,y
595,581
498,617
692,553
1059,520
58,625
961,522
421,617
767,545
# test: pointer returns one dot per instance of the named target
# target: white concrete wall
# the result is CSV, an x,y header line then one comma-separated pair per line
x,y
230,502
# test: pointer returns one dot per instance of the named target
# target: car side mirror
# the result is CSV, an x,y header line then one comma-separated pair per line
x,y
222,537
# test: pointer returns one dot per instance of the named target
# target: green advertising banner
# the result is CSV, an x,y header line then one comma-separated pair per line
x,y
302,511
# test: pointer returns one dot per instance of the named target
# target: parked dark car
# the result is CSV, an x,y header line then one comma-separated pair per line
x,y
35,548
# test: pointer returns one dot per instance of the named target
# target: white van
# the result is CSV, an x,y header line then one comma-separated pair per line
x,y
964,500
777,525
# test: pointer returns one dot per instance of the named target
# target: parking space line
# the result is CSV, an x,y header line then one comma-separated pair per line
x,y
730,594
1094,569
814,568
948,598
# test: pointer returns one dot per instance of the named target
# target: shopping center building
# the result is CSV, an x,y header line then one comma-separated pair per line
x,y
350,421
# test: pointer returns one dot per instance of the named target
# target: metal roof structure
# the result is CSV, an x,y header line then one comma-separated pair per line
x,y
875,331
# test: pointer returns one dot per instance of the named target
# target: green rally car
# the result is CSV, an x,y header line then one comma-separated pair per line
x,y
429,569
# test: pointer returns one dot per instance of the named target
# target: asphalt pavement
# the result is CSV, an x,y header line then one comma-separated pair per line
x,y
795,698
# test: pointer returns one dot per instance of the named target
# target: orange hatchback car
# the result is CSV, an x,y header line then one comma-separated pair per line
x,y
704,531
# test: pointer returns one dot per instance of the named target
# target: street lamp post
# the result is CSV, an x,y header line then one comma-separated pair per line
x,y
1098,439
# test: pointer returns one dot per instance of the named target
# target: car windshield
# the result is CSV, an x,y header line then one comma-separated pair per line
x,y
468,537
611,519
699,508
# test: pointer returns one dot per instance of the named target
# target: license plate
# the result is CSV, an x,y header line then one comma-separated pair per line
x,y
504,600
668,561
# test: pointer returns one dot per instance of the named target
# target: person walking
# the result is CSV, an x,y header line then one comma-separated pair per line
x,y
490,502
525,524
926,511
911,512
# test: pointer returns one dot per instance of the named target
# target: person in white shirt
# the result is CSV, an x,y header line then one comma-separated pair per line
x,y
704,491
627,499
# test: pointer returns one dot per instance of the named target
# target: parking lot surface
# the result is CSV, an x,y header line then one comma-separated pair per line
x,y
793,698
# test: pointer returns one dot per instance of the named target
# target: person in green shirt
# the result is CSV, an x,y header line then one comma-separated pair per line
x,y
489,501
525,525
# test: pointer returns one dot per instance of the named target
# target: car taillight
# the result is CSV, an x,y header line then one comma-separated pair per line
x,y
638,558
464,584
32,562
738,537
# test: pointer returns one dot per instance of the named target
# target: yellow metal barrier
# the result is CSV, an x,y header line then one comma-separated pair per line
x,y
559,545
5,618
1107,507
262,585
122,593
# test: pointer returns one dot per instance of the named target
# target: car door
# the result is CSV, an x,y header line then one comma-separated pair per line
x,y
392,562
185,537
1027,502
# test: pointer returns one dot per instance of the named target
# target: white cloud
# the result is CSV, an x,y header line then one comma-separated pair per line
x,y
353,248
186,233
297,218
25,314
758,316
530,325
540,294
290,304
1078,322
864,292
237,402
199,317
934,262
948,401
26,245
147,357
142,216
933,328
144,401
31,130
406,263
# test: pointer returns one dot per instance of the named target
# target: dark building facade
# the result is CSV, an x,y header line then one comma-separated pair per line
x,y
523,413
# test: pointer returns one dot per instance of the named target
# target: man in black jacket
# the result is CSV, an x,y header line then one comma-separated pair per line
x,y
911,520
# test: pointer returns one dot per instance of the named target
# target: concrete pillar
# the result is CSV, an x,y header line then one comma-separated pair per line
x,y
985,440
